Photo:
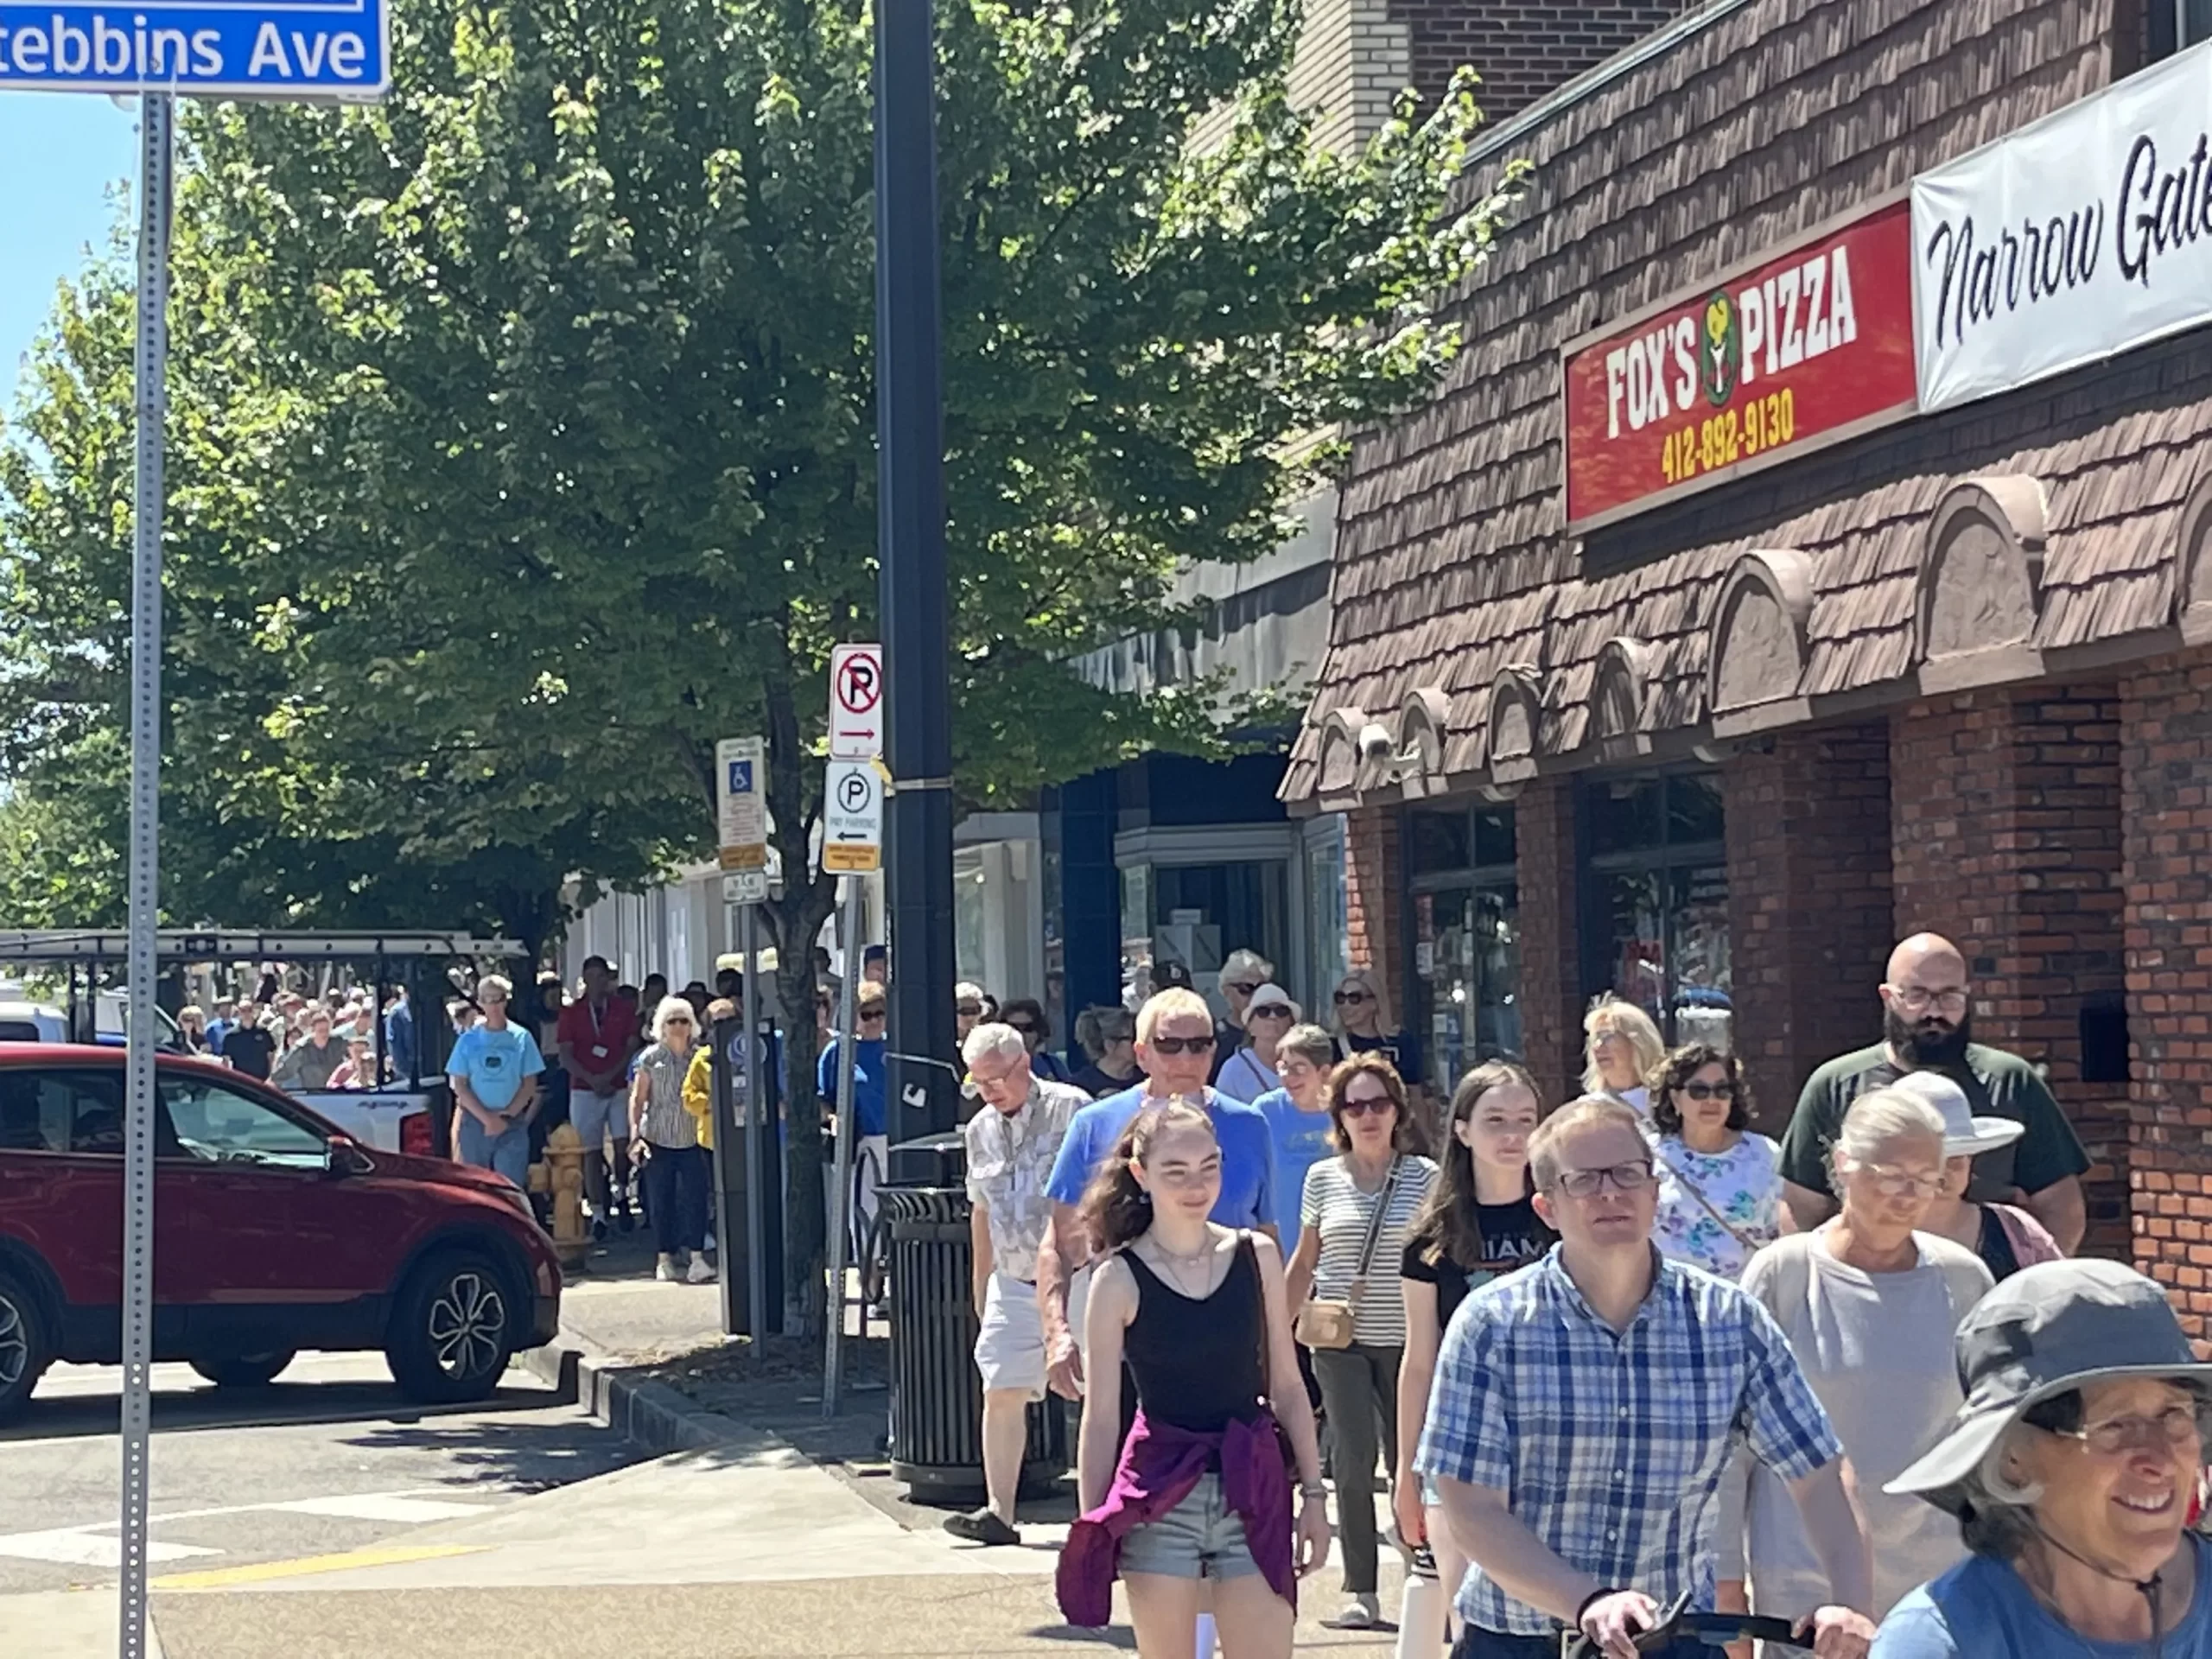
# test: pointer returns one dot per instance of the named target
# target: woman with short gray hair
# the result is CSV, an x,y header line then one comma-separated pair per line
x,y
1870,1305
2072,1469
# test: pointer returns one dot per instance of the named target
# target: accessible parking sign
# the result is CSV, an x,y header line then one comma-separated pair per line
x,y
340,49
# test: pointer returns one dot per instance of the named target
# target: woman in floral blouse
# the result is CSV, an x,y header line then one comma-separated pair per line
x,y
1720,1184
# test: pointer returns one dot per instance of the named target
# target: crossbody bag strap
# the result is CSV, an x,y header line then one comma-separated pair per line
x,y
1704,1203
1375,1223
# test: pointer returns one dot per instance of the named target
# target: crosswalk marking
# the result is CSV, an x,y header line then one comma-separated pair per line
x,y
393,1507
71,1548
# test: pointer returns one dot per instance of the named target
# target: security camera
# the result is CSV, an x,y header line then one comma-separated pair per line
x,y
1375,742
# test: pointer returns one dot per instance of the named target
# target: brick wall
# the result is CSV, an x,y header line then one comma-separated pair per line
x,y
1551,973
1521,49
2166,796
2005,837
1373,890
1808,904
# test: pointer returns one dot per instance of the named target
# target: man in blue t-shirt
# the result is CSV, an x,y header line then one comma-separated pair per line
x,y
493,1070
1175,1043
871,1110
1297,1120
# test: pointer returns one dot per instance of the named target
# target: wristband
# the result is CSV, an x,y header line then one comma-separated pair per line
x,y
1313,1489
1589,1601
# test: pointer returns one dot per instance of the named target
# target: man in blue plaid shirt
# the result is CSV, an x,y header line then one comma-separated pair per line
x,y
1583,1411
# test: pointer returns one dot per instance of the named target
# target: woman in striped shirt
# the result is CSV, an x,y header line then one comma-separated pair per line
x,y
1358,1208
666,1136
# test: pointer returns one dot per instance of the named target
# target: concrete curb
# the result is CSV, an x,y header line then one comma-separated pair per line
x,y
650,1415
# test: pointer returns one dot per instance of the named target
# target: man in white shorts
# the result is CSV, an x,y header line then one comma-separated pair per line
x,y
1011,1143
597,1034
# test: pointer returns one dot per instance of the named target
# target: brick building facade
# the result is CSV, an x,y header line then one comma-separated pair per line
x,y
1951,671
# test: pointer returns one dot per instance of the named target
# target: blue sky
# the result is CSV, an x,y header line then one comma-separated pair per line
x,y
59,153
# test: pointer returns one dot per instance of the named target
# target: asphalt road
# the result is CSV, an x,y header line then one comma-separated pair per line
x,y
329,1459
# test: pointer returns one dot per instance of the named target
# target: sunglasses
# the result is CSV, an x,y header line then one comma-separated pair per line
x,y
1709,1090
874,1013
1023,1027
1180,1045
1242,986
971,1010
1377,1104
1272,1011
1343,997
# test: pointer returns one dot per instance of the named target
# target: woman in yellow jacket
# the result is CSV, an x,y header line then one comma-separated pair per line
x,y
699,1081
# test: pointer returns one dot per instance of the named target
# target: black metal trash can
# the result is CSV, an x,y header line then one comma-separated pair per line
x,y
936,1396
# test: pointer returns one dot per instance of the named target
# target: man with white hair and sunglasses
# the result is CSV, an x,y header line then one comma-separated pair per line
x,y
1011,1143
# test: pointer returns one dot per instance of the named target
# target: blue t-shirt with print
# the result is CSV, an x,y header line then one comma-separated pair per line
x,y
1247,1154
1982,1606
1301,1140
494,1063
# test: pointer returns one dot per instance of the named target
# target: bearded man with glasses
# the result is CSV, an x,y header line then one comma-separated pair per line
x,y
1927,1026
1585,1411
1175,1047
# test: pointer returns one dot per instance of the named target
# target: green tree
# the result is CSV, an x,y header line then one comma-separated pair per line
x,y
527,443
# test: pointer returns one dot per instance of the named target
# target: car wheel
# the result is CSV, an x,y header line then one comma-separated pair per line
x,y
455,1330
24,1351
244,1370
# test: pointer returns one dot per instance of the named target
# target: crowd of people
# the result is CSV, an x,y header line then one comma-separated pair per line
x,y
1605,1356
305,1042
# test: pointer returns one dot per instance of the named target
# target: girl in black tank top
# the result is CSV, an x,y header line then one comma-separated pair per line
x,y
1196,1312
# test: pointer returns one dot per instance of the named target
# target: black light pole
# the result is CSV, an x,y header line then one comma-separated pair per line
x,y
910,486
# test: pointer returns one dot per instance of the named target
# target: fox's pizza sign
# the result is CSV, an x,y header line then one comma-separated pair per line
x,y
1811,345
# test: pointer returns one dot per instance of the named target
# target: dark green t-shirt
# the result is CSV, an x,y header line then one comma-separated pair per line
x,y
1997,1084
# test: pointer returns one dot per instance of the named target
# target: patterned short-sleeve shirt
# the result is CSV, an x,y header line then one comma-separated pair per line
x,y
664,1121
1010,1163
1610,1445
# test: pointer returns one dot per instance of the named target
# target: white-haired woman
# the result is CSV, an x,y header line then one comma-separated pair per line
x,y
1870,1307
665,1137
2070,1470
1621,1048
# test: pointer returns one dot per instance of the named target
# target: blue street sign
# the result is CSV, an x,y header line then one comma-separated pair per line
x,y
205,49
741,777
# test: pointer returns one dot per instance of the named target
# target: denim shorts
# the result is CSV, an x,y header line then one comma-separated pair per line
x,y
1199,1538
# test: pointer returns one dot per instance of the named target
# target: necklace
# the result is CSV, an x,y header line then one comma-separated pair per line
x,y
1179,1266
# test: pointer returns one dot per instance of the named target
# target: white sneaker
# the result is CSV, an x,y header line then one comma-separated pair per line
x,y
665,1270
701,1271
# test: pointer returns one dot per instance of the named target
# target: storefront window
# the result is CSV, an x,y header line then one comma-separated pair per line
x,y
1656,900
1466,939
1328,939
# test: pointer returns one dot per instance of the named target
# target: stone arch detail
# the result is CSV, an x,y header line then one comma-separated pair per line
x,y
1755,657
1980,589
2193,565
1513,725
1620,699
1340,768
1421,720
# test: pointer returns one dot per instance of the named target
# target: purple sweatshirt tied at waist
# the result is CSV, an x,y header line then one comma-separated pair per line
x,y
1160,1463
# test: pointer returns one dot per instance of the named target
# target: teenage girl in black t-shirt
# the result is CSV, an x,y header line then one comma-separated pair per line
x,y
1479,1222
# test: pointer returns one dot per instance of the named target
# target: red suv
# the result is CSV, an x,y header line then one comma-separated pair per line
x,y
273,1231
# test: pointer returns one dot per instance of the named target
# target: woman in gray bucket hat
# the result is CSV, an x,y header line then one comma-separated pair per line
x,y
2072,1468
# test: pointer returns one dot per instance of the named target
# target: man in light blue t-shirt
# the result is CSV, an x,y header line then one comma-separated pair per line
x,y
1297,1120
493,1071
1175,1041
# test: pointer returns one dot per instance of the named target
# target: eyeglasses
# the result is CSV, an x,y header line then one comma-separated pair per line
x,y
874,1013
1914,999
1377,1104
1242,986
676,1020
971,1010
1343,997
1180,1045
1631,1177
2175,1427
1023,1027
1272,1011
1902,1184
1709,1090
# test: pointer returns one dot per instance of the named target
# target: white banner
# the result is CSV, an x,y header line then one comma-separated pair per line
x,y
2085,234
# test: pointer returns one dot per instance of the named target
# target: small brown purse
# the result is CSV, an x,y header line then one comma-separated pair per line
x,y
1327,1323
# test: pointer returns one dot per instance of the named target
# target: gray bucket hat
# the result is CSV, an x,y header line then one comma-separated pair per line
x,y
2049,1328
1965,1135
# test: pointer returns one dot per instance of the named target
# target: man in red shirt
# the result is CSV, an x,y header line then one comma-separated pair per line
x,y
597,1034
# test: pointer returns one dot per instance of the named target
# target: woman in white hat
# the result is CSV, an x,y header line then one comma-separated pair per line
x,y
1250,1071
2005,1236
2070,1467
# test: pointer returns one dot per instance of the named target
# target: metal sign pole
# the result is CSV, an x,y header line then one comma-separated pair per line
x,y
841,1183
756,1244
152,368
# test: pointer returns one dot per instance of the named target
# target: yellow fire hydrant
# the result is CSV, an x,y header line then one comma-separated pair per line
x,y
560,1177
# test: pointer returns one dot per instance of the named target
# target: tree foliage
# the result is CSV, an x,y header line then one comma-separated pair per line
x,y
523,434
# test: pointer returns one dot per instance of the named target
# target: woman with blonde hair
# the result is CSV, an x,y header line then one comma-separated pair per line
x,y
1621,1048
1364,1026
664,1137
